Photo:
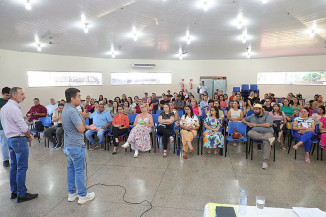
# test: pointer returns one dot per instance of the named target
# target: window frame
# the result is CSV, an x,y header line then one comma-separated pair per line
x,y
293,75
154,74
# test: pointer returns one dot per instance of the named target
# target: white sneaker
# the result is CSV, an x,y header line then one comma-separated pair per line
x,y
126,145
271,140
88,197
265,166
171,139
72,197
136,154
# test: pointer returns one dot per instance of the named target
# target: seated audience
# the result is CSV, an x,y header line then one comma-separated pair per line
x,y
89,107
126,108
154,102
296,106
290,98
182,96
227,109
136,105
35,112
164,101
309,106
174,98
319,101
139,137
149,105
120,126
102,121
144,99
176,115
51,107
267,107
288,110
100,99
117,99
196,109
56,128
124,98
186,94
322,129
246,107
189,124
213,138
240,101
87,102
279,121
96,106
320,113
232,96
215,97
304,127
223,104
204,103
235,113
169,96
251,97
165,127
109,106
262,102
210,105
131,103
179,103
261,125
226,98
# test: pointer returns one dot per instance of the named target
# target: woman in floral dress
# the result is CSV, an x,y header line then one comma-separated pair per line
x,y
139,136
213,138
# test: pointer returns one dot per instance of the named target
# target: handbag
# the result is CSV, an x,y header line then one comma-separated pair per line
x,y
289,125
235,134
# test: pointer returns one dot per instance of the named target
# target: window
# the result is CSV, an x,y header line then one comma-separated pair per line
x,y
54,79
140,78
296,78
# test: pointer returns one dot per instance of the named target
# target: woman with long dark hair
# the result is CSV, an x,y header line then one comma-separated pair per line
x,y
279,121
189,124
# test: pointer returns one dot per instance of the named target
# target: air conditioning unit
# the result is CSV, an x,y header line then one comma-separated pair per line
x,y
143,65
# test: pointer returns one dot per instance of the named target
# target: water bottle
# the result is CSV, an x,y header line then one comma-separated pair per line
x,y
242,202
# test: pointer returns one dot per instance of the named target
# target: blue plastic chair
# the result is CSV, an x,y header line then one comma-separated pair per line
x,y
47,122
315,111
159,112
203,114
245,87
242,129
87,121
132,118
236,89
250,112
254,87
157,136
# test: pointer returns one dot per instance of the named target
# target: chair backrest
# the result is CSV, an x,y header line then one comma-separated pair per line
x,y
159,112
245,87
315,111
250,112
180,113
253,87
236,89
87,121
155,118
241,127
132,118
317,132
203,113
46,121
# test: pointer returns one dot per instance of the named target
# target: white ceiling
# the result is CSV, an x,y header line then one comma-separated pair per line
x,y
277,28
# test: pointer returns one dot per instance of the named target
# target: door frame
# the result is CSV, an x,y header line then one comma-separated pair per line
x,y
215,78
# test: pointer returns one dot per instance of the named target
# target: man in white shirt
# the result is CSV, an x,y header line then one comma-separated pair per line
x,y
202,88
52,107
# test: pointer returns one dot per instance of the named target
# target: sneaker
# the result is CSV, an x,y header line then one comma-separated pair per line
x,y
6,163
92,148
26,197
171,139
136,154
283,148
58,145
271,140
126,145
265,166
88,197
72,197
54,145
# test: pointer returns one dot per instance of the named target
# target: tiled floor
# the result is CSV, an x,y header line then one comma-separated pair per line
x,y
174,186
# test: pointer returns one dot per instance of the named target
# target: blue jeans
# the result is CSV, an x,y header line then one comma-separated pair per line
x,y
4,146
306,138
100,135
19,151
76,169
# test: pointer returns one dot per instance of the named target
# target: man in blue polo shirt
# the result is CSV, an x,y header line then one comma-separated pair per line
x,y
74,126
102,121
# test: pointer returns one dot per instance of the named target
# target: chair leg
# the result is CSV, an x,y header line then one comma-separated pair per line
x,y
317,152
295,154
274,151
202,147
321,154
289,145
226,147
198,145
246,150
252,149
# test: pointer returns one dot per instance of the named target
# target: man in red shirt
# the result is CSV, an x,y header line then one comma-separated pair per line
x,y
36,112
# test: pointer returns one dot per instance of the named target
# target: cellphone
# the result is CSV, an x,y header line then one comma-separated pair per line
x,y
122,125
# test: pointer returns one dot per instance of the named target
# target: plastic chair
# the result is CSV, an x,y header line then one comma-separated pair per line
x,y
245,87
159,112
202,140
47,122
242,129
315,111
236,89
157,136
250,112
254,87
132,118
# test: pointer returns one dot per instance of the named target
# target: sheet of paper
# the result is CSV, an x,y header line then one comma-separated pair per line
x,y
308,212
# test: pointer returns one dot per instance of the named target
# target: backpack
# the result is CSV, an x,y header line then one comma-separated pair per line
x,y
39,126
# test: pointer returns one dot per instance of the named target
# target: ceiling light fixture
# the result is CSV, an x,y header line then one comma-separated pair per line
x,y
28,5
244,36
135,34
38,44
113,53
180,54
84,23
188,37
205,4
264,1
39,47
249,53
240,21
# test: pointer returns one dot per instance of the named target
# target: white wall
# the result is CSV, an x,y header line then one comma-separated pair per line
x,y
14,65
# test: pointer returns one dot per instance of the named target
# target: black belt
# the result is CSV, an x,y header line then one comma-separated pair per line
x,y
17,137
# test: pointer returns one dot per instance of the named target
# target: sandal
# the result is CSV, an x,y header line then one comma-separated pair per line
x,y
307,161
235,145
165,155
216,151
208,151
295,147
191,149
185,156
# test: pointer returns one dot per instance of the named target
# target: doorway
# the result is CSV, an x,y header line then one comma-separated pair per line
x,y
213,83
